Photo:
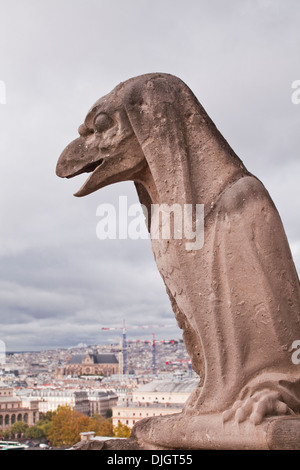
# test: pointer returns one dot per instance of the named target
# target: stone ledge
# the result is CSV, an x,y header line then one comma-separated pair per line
x,y
109,444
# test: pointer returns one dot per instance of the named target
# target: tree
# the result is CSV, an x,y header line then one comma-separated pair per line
x,y
6,434
19,427
35,432
66,426
121,430
42,427
101,426
46,417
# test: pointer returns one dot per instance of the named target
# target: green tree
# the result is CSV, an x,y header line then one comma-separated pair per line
x,y
35,432
41,428
19,427
6,434
45,427
121,430
46,417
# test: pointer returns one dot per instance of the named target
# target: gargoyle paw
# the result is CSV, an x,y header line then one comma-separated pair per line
x,y
257,407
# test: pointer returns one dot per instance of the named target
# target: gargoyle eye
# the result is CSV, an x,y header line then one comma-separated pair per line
x,y
102,122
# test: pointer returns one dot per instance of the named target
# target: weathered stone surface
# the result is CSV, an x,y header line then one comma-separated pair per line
x,y
237,299
109,444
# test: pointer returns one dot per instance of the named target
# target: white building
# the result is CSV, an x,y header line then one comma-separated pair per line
x,y
89,402
165,391
156,398
50,400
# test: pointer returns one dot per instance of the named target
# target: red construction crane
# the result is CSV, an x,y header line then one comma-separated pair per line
x,y
178,361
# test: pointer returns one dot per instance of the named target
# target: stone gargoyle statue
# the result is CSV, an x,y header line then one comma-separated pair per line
x,y
237,299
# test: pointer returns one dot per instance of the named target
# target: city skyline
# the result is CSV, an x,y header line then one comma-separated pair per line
x,y
60,284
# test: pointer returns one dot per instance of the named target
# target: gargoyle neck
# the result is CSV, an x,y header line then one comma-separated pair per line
x,y
197,174
210,164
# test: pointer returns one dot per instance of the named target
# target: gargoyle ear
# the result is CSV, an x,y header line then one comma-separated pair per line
x,y
155,108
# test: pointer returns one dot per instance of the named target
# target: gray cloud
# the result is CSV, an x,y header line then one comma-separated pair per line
x,y
59,283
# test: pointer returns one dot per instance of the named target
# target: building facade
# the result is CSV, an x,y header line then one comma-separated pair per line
x,y
14,408
101,402
156,398
50,400
88,402
165,391
90,364
134,412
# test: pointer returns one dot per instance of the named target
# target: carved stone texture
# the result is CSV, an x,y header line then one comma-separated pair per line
x,y
237,299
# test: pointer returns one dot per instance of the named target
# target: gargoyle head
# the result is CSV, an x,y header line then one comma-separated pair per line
x,y
151,125
107,147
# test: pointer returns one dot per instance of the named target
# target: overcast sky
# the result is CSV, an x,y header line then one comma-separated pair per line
x,y
60,284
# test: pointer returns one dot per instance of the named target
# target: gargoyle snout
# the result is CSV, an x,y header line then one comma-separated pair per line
x,y
76,159
70,160
64,162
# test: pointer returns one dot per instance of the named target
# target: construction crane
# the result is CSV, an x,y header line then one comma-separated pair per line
x,y
124,342
153,355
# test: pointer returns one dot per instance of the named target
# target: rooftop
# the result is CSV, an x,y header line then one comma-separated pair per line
x,y
174,386
147,406
97,358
